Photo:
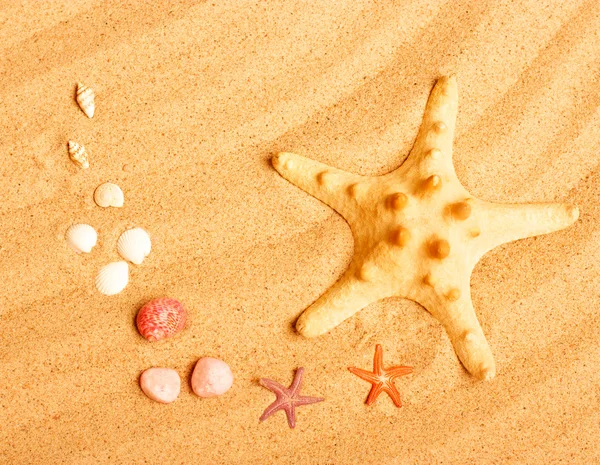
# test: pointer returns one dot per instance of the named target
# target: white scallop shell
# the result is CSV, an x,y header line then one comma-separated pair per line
x,y
134,245
81,238
78,155
109,195
113,278
85,99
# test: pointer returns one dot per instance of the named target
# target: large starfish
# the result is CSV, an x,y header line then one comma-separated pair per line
x,y
418,233
382,378
287,398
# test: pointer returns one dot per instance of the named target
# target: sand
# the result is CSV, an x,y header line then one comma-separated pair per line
x,y
194,97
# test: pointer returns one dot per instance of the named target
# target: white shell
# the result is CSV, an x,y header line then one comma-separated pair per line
x,y
134,245
113,278
109,195
81,238
78,155
85,99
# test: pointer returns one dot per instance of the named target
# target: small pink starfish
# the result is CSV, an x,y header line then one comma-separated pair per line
x,y
287,398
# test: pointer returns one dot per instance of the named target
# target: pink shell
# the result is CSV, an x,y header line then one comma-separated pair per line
x,y
211,377
161,318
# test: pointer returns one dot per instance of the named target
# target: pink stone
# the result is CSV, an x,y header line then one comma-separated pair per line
x,y
161,384
211,377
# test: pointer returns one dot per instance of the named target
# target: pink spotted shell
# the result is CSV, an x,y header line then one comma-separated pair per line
x,y
161,318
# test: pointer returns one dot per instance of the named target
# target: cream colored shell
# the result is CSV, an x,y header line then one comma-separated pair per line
x,y
134,245
113,278
78,155
109,195
85,99
81,238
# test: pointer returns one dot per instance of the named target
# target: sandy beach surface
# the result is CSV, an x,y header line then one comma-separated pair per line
x,y
193,98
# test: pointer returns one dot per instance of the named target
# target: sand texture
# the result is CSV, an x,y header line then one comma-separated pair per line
x,y
192,100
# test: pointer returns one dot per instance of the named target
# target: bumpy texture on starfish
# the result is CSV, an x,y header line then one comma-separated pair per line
x,y
418,233
382,378
287,398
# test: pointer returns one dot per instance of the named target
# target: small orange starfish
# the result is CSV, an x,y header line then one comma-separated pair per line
x,y
382,378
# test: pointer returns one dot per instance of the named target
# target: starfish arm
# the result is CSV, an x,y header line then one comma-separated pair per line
x,y
501,223
434,140
346,297
393,393
460,321
366,375
305,400
290,412
395,372
378,360
329,185
277,388
295,387
271,409
376,390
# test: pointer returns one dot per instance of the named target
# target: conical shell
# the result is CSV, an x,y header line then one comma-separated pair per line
x,y
134,245
161,318
81,238
109,195
113,278
85,99
78,155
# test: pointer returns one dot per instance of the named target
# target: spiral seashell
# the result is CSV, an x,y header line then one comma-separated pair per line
x,y
81,238
113,278
85,99
161,318
134,245
109,195
78,155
